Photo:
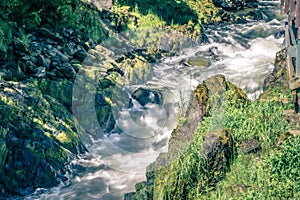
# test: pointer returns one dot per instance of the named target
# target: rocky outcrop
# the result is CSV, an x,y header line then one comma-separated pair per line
x,y
217,149
39,137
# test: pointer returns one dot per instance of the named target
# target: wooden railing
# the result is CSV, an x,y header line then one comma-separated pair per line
x,y
292,38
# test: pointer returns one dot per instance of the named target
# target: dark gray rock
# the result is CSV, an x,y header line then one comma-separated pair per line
x,y
218,149
43,61
80,55
145,96
21,48
67,70
230,5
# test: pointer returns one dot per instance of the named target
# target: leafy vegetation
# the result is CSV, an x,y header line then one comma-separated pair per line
x,y
19,17
183,15
272,174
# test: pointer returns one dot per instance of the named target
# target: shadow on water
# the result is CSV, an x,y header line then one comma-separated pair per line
x,y
164,9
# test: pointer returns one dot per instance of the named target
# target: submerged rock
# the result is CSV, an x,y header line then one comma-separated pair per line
x,y
38,138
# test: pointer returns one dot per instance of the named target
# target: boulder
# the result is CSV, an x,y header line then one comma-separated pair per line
x,y
145,96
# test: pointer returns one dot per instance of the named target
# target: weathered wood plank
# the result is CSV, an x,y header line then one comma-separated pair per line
x,y
294,84
286,6
291,71
292,10
298,14
292,36
282,7
287,35
297,67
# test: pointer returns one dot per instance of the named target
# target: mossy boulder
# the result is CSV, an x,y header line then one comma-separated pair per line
x,y
38,138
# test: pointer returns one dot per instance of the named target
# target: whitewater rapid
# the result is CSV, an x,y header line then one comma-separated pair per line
x,y
244,53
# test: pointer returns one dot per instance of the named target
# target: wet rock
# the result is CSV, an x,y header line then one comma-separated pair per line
x,y
67,70
69,34
277,79
204,39
229,5
198,61
38,138
145,96
43,61
254,15
21,48
41,72
3,55
80,55
58,89
46,33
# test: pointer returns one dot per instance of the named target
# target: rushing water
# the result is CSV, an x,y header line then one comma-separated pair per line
x,y
244,53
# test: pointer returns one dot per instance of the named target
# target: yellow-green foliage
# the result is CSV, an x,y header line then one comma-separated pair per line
x,y
19,15
182,15
272,175
249,178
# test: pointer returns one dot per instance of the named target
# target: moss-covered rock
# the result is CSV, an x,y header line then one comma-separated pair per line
x,y
38,138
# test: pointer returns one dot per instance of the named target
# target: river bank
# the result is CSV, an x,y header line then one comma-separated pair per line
x,y
48,65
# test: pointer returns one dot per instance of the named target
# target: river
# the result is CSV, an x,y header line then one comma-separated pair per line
x,y
244,53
